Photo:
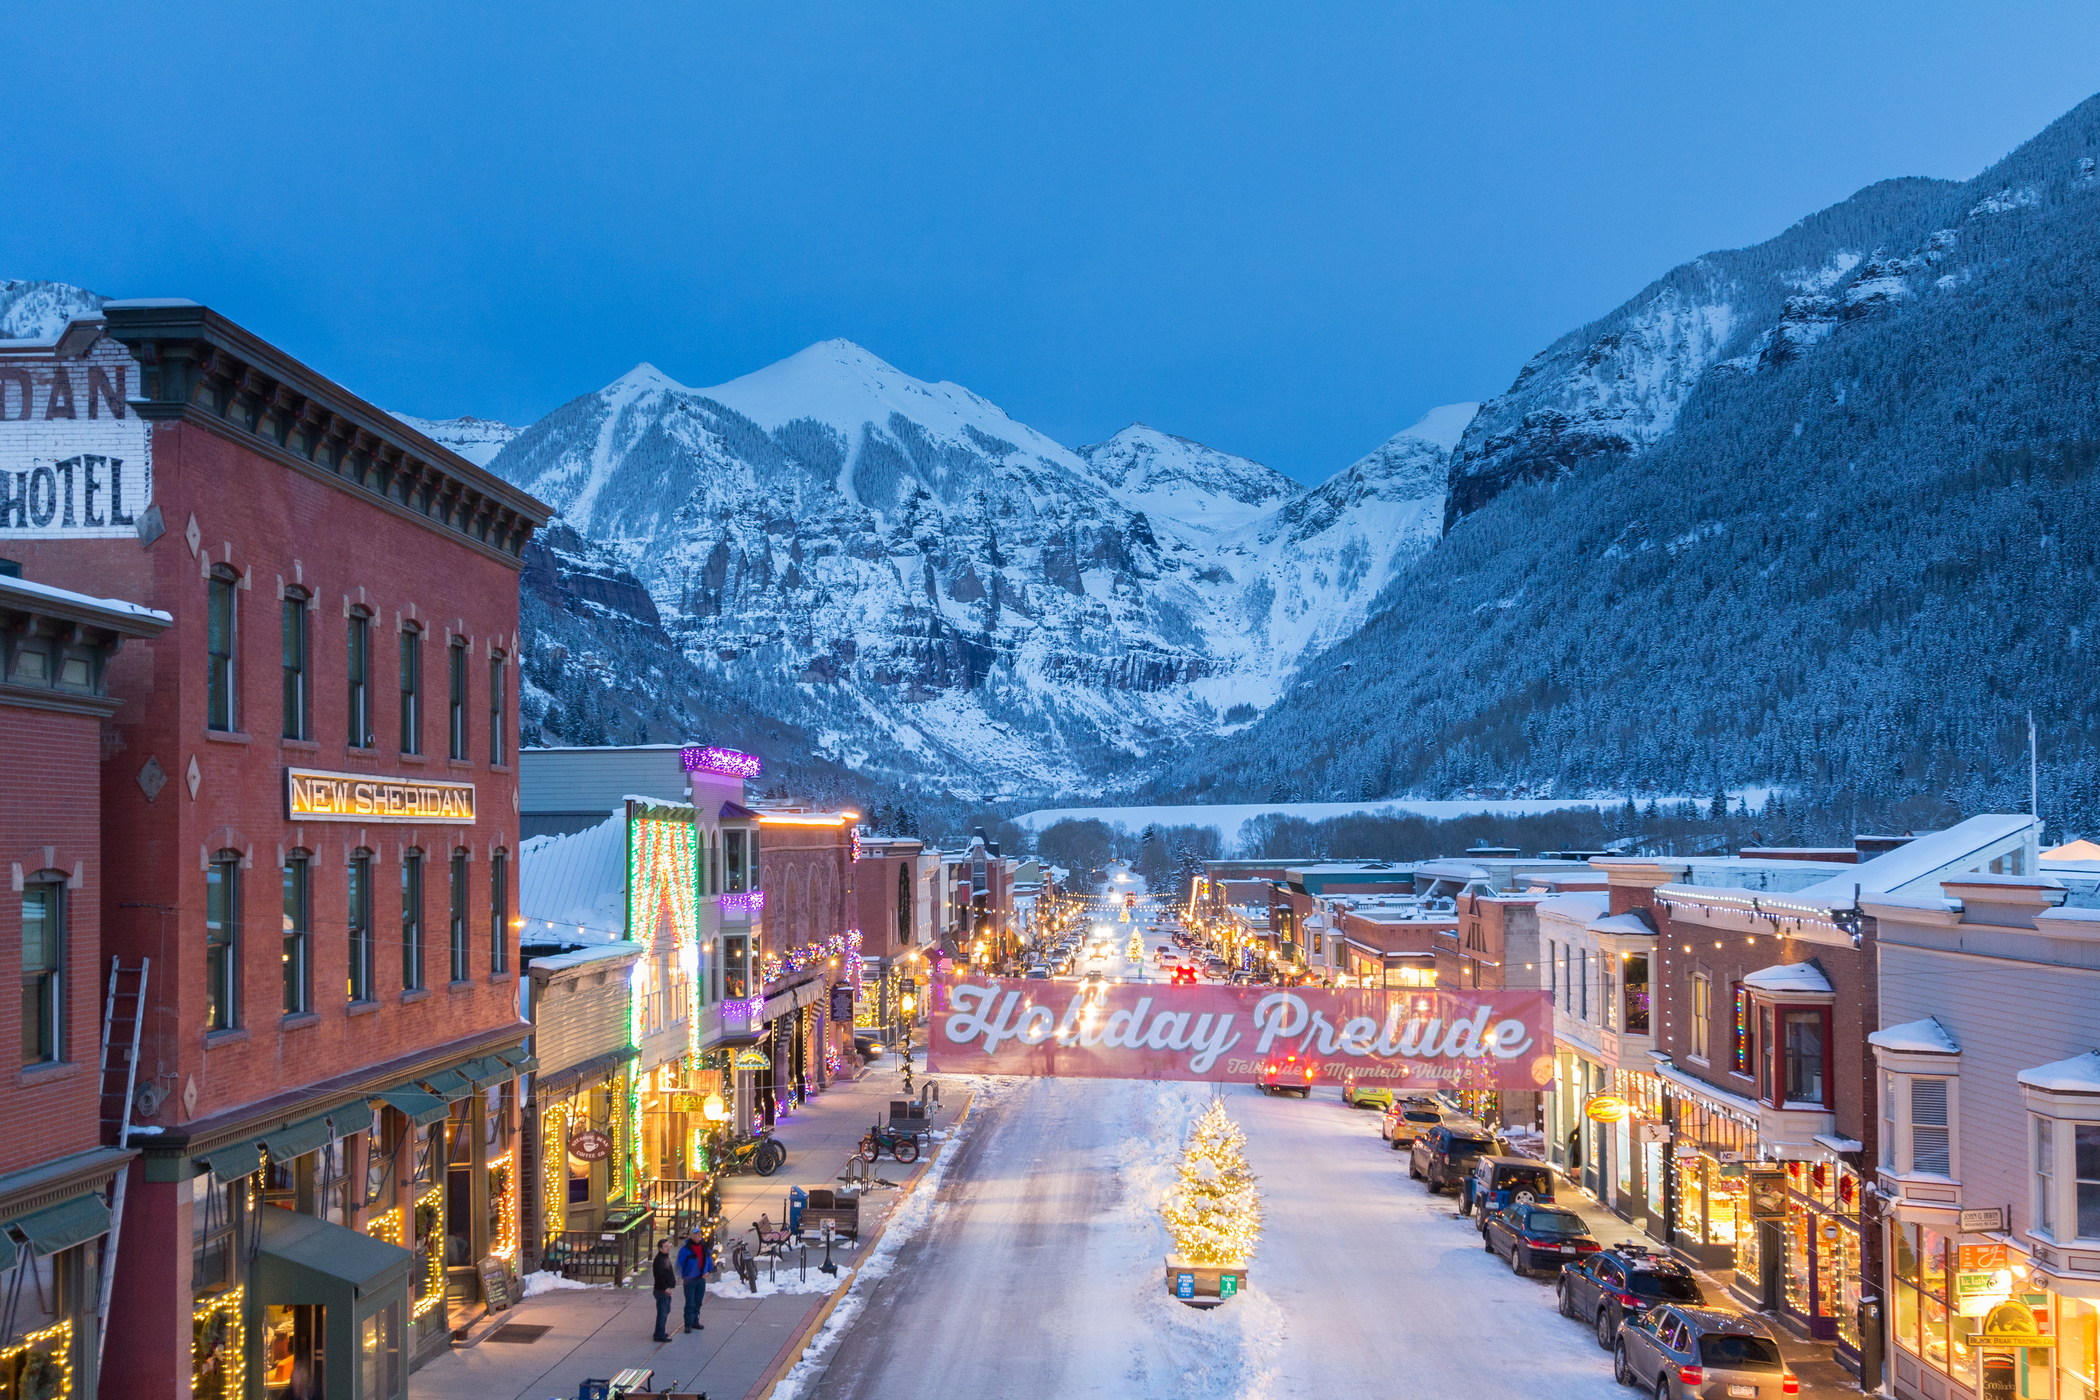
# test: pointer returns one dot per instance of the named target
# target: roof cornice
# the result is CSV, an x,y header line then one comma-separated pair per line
x,y
198,367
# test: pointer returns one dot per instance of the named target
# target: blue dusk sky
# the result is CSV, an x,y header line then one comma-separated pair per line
x,y
1284,230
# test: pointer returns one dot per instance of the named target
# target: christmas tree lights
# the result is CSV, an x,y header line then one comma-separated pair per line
x,y
1214,1209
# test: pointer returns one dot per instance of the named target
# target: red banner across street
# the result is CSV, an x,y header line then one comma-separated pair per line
x,y
1418,1037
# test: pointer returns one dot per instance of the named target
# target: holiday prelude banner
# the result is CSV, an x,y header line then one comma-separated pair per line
x,y
1414,1038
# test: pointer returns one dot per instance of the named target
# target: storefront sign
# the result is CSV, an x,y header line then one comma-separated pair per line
x,y
1767,1193
1605,1108
2014,1323
687,1103
1428,1039
2001,1377
1989,1220
590,1145
314,796
1653,1132
842,1004
74,460
752,1059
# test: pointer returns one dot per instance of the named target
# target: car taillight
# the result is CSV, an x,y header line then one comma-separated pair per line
x,y
1691,1375
1587,1246
1790,1385
1627,1300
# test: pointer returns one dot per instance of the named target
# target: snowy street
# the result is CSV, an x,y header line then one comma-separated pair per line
x,y
1040,1272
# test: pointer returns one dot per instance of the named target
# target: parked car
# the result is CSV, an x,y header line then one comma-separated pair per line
x,y
1409,1118
1496,1183
1287,1074
1442,1156
1537,1237
1366,1095
1623,1281
1681,1353
1039,972
869,1046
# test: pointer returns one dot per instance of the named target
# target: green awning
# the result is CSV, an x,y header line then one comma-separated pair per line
x,y
520,1061
324,1252
64,1225
422,1109
449,1085
234,1160
297,1140
486,1071
7,1250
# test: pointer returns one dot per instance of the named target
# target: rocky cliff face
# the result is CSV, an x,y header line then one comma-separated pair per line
x,y
936,591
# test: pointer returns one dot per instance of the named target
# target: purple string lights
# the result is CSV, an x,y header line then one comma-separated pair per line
x,y
727,762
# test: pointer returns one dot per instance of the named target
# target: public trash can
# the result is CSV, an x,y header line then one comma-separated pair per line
x,y
797,1199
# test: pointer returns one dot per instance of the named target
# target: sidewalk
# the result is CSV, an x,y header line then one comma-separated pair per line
x,y
1811,1361
597,1332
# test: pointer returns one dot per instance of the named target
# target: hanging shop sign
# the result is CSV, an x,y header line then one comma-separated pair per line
x,y
314,796
1767,1193
842,1003
687,1103
752,1059
2014,1323
1428,1039
590,1145
1606,1108
1988,1220
1653,1132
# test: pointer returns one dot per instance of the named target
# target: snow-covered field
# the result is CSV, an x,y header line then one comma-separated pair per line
x,y
1040,1272
1225,818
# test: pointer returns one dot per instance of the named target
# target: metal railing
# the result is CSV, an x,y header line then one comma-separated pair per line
x,y
677,1206
610,1254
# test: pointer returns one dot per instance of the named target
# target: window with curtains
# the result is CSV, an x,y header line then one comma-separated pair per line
x,y
456,665
1702,1015
1929,1144
222,913
359,917
43,971
298,665
499,911
221,588
411,691
458,930
411,920
358,679
498,740
298,923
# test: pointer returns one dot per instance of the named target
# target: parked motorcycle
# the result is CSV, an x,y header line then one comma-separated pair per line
x,y
757,1152
903,1146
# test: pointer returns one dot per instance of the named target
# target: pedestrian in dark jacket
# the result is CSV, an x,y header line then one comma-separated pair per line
x,y
664,1279
694,1260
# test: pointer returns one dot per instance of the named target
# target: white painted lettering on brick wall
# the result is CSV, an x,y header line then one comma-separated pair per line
x,y
75,460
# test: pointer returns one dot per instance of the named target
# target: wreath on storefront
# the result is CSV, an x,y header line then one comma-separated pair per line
x,y
41,1377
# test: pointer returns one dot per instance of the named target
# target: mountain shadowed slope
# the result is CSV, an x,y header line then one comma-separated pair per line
x,y
1865,542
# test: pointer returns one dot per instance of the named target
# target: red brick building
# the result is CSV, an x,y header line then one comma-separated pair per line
x,y
56,1172
813,943
312,777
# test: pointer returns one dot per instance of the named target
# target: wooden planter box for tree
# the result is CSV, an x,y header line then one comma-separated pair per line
x,y
1210,1284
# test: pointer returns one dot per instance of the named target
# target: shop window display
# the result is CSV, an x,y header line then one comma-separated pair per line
x,y
2077,1333
1920,1323
295,1360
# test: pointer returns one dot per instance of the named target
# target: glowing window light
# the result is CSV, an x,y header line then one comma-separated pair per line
x,y
222,1315
727,762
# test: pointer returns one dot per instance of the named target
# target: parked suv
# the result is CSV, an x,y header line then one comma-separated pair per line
x,y
1683,1353
1623,1282
1496,1183
1443,1155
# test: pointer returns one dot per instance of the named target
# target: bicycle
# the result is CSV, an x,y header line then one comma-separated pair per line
x,y
903,1146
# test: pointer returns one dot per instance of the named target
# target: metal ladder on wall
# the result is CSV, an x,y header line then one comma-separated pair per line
x,y
123,1024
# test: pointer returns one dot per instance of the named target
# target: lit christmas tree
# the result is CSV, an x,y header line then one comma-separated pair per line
x,y
1214,1210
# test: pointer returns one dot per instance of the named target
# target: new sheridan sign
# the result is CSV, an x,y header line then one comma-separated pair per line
x,y
359,797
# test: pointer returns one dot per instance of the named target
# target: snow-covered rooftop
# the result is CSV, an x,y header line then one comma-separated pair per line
x,y
1925,1037
1920,859
1628,923
583,957
2078,1075
28,591
1576,907
1788,977
577,883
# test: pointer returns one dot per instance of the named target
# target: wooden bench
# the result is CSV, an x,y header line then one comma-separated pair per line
x,y
841,1208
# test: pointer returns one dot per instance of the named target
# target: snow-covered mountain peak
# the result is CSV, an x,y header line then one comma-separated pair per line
x,y
1442,426
642,379
34,310
476,439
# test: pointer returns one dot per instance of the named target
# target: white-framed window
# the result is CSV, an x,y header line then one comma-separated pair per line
x,y
2045,1174
1702,1014
1888,1120
1931,1149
